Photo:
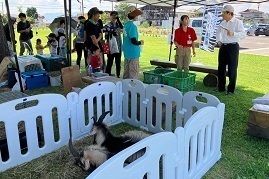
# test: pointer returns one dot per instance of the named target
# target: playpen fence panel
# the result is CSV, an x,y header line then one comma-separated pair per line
x,y
42,108
200,130
156,147
131,89
98,100
190,102
158,96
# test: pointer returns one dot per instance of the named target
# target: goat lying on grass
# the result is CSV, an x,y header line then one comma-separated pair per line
x,y
115,144
107,146
90,158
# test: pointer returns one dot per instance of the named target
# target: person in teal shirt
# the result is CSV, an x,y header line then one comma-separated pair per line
x,y
131,45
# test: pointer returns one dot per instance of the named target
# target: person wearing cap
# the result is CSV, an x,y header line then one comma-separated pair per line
x,y
229,33
7,34
131,44
6,29
114,28
80,44
93,30
24,28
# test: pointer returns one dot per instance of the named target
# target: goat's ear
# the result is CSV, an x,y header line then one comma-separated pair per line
x,y
94,119
102,117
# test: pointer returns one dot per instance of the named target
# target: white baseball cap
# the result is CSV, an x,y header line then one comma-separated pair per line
x,y
228,8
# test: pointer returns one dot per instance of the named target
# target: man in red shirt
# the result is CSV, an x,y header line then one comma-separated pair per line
x,y
184,41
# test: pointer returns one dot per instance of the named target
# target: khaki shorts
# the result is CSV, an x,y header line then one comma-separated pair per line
x,y
131,69
183,58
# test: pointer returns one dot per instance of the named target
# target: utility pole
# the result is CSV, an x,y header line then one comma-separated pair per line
x,y
82,7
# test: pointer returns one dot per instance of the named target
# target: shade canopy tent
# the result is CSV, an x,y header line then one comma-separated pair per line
x,y
185,2
178,3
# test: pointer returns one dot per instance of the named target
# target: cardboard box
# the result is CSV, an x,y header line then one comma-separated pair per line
x,y
71,78
258,123
91,80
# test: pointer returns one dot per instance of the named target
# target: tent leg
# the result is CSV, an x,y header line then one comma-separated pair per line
x,y
173,24
14,46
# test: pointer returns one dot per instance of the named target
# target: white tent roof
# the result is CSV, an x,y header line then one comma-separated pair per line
x,y
185,2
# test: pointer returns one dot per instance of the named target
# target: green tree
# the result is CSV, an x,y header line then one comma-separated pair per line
x,y
4,18
20,9
121,10
32,12
145,24
105,18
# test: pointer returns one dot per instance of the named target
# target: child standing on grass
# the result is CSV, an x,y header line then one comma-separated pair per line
x,y
95,60
62,42
52,44
39,47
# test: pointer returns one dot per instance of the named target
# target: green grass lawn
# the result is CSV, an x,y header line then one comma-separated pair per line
x,y
243,156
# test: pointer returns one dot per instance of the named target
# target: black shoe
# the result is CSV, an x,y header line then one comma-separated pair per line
x,y
229,93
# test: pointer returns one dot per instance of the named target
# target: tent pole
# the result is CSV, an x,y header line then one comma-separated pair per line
x,y
66,30
82,4
70,34
173,24
12,35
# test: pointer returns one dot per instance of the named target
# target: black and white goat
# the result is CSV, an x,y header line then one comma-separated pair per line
x,y
90,158
115,144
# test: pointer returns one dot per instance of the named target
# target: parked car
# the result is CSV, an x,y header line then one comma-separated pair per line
x,y
261,29
197,25
267,32
250,29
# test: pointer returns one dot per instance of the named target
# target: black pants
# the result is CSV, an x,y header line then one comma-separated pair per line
x,y
110,58
80,48
228,55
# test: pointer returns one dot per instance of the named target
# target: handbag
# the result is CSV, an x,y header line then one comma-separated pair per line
x,y
105,47
31,35
113,45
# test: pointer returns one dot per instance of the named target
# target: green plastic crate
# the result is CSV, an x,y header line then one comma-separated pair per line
x,y
155,76
52,63
186,89
180,80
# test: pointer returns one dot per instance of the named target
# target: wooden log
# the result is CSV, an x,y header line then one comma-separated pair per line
x,y
210,80
198,68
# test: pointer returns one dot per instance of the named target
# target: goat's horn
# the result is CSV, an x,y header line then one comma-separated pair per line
x,y
73,150
94,119
102,117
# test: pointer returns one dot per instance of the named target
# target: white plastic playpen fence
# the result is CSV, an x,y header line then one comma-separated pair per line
x,y
189,152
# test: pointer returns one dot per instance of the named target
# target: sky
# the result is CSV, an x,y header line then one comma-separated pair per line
x,y
57,6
